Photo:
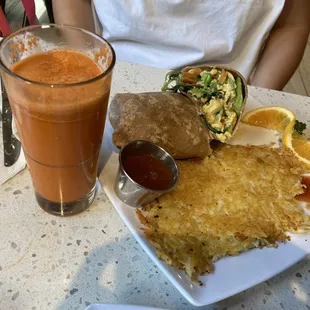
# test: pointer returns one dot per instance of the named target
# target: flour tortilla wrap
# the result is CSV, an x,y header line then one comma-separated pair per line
x,y
167,119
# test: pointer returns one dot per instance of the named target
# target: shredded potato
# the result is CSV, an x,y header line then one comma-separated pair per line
x,y
239,198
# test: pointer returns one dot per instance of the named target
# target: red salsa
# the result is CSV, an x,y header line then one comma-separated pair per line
x,y
149,171
306,195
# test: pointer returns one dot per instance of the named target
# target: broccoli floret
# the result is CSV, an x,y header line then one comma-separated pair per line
x,y
197,92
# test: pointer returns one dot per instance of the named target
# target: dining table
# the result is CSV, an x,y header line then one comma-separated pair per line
x,y
49,262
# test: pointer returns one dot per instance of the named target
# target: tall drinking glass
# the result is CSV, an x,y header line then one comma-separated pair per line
x,y
59,109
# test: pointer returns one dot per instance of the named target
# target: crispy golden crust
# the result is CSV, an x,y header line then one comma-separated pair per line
x,y
239,198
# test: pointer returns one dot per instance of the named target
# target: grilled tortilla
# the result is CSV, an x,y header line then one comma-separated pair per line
x,y
168,120
239,198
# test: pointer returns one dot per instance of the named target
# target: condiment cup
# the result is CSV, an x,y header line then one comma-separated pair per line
x,y
133,193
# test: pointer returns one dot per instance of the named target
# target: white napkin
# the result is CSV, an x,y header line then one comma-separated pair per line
x,y
7,173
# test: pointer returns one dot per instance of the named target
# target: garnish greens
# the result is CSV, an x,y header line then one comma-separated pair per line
x,y
300,127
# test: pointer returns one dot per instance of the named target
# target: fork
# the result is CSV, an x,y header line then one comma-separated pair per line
x,y
11,145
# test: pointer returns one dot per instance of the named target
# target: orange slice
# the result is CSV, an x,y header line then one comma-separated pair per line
x,y
298,136
275,118
297,143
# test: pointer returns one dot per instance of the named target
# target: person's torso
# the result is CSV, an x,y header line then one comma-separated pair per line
x,y
175,33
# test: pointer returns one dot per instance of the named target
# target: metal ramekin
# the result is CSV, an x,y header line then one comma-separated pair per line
x,y
129,191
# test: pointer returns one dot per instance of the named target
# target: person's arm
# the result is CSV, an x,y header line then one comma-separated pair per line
x,y
74,13
285,46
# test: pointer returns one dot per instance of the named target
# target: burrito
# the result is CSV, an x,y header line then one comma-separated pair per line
x,y
219,93
170,120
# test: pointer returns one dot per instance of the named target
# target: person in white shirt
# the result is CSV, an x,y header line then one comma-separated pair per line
x,y
263,39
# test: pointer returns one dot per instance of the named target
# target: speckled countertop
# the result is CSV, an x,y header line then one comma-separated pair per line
x,y
48,262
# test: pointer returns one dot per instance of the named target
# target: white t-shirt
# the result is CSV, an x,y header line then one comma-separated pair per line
x,y
175,33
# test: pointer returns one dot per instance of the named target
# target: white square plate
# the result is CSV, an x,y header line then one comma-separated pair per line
x,y
232,274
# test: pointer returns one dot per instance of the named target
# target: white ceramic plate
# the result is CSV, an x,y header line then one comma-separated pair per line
x,y
118,307
232,274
